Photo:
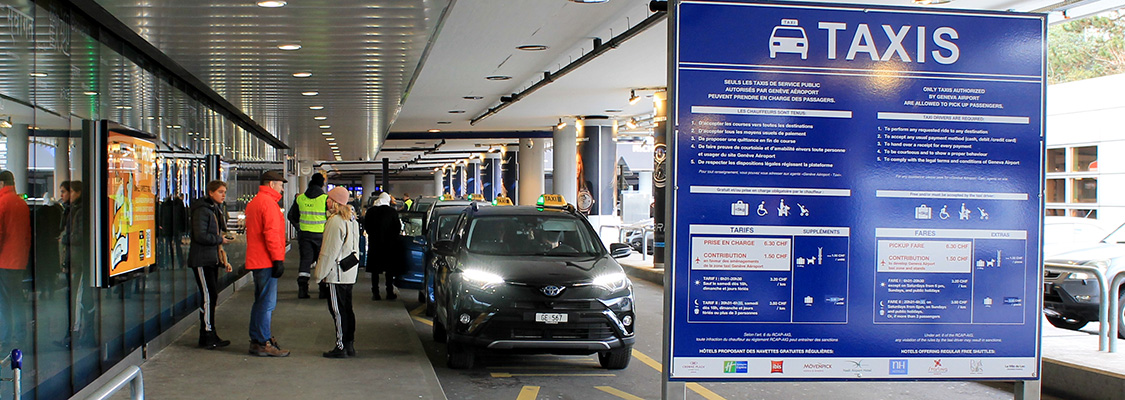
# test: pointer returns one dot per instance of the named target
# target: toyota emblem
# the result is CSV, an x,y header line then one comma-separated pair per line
x,y
552,291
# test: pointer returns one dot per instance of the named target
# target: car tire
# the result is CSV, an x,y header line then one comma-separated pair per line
x,y
1067,323
439,333
459,356
427,288
1120,312
617,358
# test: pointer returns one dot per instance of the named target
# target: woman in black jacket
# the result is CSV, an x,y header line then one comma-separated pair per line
x,y
386,252
208,223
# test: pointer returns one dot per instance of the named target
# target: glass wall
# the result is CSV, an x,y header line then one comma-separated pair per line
x,y
58,74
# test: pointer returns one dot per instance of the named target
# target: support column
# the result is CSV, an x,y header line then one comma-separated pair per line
x,y
62,163
439,181
492,180
565,174
597,167
17,160
212,168
368,187
459,180
659,174
386,174
531,170
474,184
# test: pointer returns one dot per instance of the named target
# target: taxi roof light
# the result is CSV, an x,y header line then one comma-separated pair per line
x,y
446,197
551,200
502,201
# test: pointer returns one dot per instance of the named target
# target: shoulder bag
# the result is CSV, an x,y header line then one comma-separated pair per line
x,y
349,262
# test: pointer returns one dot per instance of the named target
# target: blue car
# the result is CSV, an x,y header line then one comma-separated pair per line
x,y
413,226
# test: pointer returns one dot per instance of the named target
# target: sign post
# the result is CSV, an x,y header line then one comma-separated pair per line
x,y
860,189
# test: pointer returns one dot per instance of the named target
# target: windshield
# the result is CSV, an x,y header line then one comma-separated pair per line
x,y
525,235
1117,237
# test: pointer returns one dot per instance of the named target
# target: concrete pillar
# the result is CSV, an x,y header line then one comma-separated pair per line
x,y
439,181
386,175
530,160
368,187
565,174
597,167
62,163
494,181
18,162
474,183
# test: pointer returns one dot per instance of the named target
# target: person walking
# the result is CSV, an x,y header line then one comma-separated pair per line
x,y
386,253
265,258
208,224
308,215
336,267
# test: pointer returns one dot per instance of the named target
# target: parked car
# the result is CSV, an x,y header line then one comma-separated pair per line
x,y
440,219
531,279
1071,299
642,230
423,203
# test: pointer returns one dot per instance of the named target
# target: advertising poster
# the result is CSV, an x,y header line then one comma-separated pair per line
x,y
857,193
131,187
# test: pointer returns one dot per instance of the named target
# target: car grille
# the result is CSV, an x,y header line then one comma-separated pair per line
x,y
557,305
581,331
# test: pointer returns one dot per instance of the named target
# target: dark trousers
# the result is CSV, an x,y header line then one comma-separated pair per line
x,y
340,306
206,279
309,243
13,307
392,280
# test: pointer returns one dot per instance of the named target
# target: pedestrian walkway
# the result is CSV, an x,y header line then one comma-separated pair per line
x,y
391,363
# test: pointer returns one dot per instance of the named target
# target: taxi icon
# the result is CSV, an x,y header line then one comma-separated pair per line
x,y
789,38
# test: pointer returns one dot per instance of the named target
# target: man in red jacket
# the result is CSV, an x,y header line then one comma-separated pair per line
x,y
265,256
15,246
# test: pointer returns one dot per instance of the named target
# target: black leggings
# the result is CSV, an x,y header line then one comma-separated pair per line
x,y
340,306
205,279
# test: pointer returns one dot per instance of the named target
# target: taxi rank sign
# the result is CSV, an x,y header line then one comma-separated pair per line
x,y
857,193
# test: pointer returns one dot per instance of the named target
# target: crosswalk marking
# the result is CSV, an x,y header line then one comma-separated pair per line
x,y
618,393
528,393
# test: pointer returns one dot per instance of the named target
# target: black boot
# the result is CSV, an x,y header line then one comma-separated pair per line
x,y
336,353
349,347
211,340
302,291
323,291
375,295
391,294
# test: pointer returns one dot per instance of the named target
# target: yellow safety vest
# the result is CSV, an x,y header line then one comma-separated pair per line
x,y
313,213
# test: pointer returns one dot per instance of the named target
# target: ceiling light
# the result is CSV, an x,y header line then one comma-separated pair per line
x,y
326,133
456,111
38,74
498,78
316,107
320,118
631,123
6,122
561,124
289,47
472,97
633,98
444,122
90,93
305,74
325,126
612,111
532,47
310,93
271,4
930,2
434,130
589,1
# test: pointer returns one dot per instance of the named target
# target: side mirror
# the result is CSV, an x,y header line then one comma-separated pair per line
x,y
620,250
444,246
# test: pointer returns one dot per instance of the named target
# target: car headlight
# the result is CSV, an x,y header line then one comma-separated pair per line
x,y
484,279
612,282
1081,276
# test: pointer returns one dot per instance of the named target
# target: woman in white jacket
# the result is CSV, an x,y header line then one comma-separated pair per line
x,y
341,239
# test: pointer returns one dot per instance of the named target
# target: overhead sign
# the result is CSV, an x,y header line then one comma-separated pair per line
x,y
857,192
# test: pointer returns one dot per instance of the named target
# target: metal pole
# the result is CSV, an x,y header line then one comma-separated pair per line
x,y
1113,310
1028,390
669,389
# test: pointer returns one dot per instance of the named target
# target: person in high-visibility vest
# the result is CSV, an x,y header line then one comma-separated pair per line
x,y
308,214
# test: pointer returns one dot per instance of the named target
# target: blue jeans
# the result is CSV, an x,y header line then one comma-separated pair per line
x,y
265,299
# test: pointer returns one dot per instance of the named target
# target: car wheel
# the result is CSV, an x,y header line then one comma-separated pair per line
x,y
617,358
427,289
1120,312
459,356
439,331
1067,323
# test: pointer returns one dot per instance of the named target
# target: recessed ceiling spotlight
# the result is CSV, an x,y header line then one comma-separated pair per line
x,y
612,111
498,77
272,4
472,97
532,47
444,122
310,93
589,1
325,126
316,107
320,118
456,111
90,93
289,47
930,2
434,130
304,74
38,74
326,133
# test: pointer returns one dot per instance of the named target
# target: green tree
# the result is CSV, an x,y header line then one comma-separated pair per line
x,y
1086,48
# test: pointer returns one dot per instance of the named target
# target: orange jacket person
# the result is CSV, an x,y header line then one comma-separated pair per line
x,y
15,247
265,256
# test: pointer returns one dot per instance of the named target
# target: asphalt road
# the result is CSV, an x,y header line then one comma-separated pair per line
x,y
525,377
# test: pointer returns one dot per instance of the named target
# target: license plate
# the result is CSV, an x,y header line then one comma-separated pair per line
x,y
550,318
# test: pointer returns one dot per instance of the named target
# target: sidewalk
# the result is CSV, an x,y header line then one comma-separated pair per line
x,y
1072,365
391,363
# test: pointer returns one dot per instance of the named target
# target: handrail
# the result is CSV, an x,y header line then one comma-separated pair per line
x,y
1103,306
15,359
132,376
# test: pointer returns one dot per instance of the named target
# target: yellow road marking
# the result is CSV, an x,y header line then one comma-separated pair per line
x,y
528,393
537,368
617,393
695,387
511,375
418,311
707,394
423,320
